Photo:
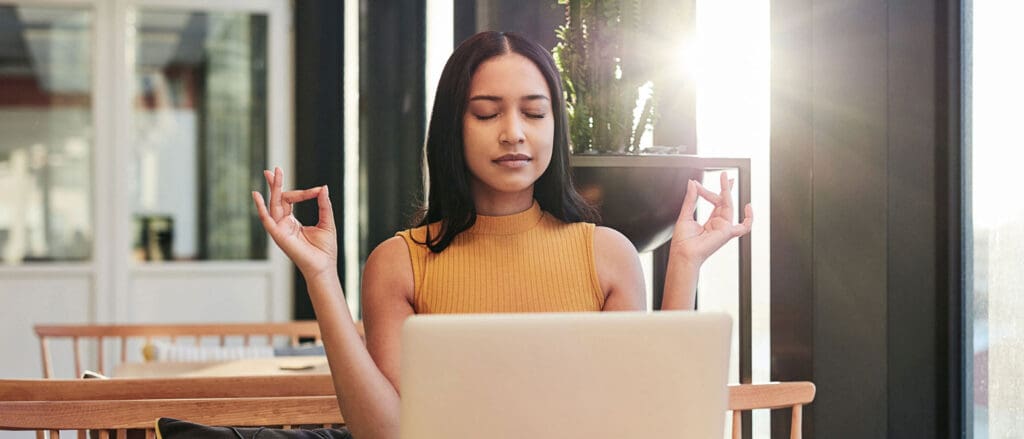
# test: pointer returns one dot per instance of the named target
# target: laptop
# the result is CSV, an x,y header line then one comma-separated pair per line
x,y
614,375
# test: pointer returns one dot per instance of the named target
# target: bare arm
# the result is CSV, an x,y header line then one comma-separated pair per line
x,y
693,243
680,286
619,271
387,302
367,398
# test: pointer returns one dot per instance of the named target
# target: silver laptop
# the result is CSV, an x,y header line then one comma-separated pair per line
x,y
614,375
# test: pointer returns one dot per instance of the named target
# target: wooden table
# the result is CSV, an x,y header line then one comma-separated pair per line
x,y
251,367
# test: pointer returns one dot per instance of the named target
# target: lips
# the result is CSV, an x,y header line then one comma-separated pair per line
x,y
513,157
513,160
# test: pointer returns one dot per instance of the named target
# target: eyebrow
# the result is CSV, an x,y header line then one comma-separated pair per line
x,y
499,98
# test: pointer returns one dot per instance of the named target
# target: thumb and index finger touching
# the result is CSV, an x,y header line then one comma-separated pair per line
x,y
722,202
695,190
281,202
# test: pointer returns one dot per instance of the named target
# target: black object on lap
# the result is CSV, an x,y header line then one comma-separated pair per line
x,y
168,428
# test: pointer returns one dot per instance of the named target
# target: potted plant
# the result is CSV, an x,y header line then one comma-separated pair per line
x,y
622,83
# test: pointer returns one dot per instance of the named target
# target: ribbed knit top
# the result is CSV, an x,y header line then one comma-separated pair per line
x,y
525,262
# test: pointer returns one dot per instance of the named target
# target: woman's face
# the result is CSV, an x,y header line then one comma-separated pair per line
x,y
508,128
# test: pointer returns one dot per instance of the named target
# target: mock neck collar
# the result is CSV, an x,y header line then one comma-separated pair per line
x,y
508,224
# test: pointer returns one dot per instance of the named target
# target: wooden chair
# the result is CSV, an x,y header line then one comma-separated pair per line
x,y
120,404
115,406
96,334
793,395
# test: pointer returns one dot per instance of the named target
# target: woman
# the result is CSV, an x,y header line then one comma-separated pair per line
x,y
503,230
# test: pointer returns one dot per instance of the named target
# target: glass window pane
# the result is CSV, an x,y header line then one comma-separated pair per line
x,y
199,134
995,92
47,134
732,55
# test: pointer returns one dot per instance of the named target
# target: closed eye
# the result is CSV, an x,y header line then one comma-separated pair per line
x,y
535,115
485,117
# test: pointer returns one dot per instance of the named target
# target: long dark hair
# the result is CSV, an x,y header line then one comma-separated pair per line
x,y
450,201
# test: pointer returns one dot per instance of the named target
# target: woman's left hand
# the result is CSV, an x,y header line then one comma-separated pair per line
x,y
694,242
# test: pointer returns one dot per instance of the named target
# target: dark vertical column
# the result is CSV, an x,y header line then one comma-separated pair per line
x,y
463,20
850,211
868,178
319,144
258,126
392,118
204,199
954,240
791,250
659,269
912,300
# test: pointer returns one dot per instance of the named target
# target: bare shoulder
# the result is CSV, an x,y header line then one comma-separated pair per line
x,y
393,247
618,270
611,242
389,269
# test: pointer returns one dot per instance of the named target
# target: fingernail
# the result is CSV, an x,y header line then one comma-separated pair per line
x,y
326,190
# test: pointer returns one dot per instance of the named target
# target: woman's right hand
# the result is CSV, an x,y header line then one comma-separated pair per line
x,y
314,249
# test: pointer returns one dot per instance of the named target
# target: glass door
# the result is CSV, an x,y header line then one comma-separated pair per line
x,y
48,126
203,106
994,91
198,133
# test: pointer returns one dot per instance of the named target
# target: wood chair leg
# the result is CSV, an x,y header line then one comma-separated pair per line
x,y
737,424
796,424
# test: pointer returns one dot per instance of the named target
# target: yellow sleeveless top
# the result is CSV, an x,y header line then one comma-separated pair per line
x,y
525,262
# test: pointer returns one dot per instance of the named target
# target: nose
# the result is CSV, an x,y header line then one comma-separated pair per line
x,y
512,131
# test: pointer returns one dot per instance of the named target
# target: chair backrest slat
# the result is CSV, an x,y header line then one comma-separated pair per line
x,y
44,349
770,396
99,354
293,331
304,328
78,355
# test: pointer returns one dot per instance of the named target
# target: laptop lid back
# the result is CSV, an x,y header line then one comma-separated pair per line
x,y
572,375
